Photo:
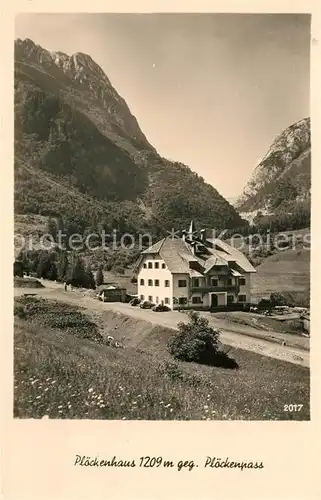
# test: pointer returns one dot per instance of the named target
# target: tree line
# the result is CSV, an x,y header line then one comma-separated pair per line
x,y
58,266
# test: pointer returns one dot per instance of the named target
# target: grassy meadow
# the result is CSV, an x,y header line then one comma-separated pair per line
x,y
64,368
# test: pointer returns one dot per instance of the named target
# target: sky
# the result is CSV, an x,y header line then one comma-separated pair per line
x,y
209,90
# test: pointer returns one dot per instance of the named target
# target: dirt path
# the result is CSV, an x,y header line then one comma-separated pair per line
x,y
248,338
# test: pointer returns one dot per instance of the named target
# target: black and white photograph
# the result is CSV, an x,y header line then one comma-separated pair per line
x,y
162,201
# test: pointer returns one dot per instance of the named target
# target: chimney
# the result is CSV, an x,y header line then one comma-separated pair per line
x,y
183,235
202,237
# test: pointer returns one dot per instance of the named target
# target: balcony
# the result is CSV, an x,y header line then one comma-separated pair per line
x,y
219,288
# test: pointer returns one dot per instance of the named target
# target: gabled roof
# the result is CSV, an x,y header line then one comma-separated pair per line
x,y
155,248
231,254
215,260
177,254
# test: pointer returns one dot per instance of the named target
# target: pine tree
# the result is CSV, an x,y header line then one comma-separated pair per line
x,y
90,280
99,276
44,265
78,275
52,273
63,267
52,228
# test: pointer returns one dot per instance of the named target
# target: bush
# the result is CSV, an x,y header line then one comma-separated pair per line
x,y
195,341
280,299
19,310
58,316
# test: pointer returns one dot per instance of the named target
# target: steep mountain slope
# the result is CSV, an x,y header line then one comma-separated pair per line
x,y
74,132
282,179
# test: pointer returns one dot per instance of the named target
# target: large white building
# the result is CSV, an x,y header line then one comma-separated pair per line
x,y
191,272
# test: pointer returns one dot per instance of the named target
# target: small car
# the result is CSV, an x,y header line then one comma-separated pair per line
x,y
160,308
135,301
146,304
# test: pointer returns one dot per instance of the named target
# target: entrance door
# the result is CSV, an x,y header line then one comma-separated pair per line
x,y
214,300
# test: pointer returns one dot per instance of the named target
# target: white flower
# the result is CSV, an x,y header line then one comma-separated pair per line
x,y
90,390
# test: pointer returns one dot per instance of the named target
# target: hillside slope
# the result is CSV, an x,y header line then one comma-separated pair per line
x,y
75,133
283,177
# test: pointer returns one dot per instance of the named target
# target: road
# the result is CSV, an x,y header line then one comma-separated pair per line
x,y
238,336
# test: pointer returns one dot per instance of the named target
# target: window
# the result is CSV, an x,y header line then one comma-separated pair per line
x,y
156,282
196,282
163,266
150,298
229,281
230,299
142,282
182,300
181,283
145,265
242,298
242,281
167,283
156,265
196,300
142,297
167,300
214,282
150,265
150,282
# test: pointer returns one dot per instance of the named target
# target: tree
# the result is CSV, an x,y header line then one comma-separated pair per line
x,y
18,268
77,276
89,280
196,340
52,228
44,265
52,272
99,276
63,267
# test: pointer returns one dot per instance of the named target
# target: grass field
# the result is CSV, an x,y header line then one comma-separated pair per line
x,y
27,282
288,270
261,322
59,373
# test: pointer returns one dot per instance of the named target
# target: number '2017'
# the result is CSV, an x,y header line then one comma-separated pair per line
x,y
292,407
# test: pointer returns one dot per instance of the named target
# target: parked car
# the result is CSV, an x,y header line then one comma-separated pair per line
x,y
146,304
135,301
160,308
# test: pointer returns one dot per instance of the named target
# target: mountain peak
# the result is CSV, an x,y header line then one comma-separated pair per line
x,y
282,178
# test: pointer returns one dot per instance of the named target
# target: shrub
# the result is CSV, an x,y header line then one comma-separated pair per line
x,y
19,310
195,340
280,299
57,316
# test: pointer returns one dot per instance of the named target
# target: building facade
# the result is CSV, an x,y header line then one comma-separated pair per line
x,y
194,272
